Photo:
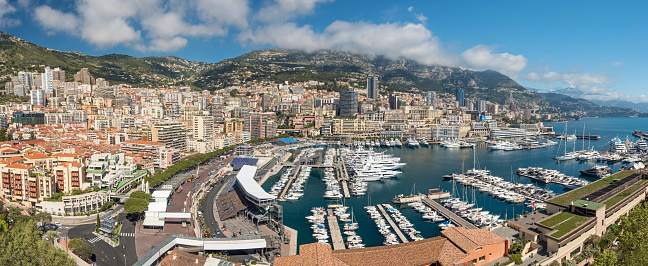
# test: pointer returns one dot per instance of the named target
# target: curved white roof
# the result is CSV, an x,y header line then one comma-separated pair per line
x,y
245,178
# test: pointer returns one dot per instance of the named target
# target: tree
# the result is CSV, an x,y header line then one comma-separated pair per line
x,y
52,235
135,206
22,245
32,135
607,258
141,195
43,217
98,223
82,249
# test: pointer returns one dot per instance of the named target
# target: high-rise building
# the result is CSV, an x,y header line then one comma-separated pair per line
x,y
260,125
84,77
394,102
171,134
47,80
37,97
481,106
58,74
27,80
512,107
460,96
203,127
348,103
430,98
372,87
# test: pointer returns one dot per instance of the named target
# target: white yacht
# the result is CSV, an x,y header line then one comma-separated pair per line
x,y
412,143
424,142
617,146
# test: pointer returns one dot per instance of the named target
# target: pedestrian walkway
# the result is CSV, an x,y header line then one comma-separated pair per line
x,y
95,240
127,234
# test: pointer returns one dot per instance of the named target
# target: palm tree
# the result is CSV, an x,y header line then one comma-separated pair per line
x,y
51,235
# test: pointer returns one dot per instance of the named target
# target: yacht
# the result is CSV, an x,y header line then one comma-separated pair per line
x,y
412,143
596,171
641,145
450,144
425,143
398,143
617,146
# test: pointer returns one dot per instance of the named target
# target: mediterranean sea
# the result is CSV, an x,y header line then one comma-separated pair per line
x,y
426,166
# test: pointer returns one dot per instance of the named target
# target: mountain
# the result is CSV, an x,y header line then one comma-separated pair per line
x,y
584,108
643,106
17,54
336,69
331,67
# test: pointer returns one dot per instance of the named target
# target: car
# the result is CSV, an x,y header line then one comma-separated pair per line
x,y
58,224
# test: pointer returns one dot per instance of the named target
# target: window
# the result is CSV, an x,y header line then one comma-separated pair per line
x,y
482,258
474,261
478,249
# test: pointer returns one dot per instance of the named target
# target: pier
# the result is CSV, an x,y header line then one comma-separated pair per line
x,y
343,177
290,180
451,216
334,228
394,226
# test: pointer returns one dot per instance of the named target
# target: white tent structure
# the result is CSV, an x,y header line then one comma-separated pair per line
x,y
253,191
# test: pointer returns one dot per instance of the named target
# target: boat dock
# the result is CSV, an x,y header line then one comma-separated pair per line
x,y
334,228
343,177
290,180
394,226
451,216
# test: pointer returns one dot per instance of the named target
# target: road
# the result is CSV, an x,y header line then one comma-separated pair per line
x,y
104,252
208,207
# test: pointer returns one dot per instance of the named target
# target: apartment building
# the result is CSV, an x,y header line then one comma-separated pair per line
x,y
203,127
261,125
69,176
21,184
173,135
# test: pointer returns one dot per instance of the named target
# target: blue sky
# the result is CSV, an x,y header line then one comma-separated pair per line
x,y
595,46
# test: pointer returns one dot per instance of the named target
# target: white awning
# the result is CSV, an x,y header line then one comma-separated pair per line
x,y
153,221
245,179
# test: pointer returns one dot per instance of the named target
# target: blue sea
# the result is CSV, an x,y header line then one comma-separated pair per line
x,y
426,166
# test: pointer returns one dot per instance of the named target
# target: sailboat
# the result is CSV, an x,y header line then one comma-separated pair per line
x,y
353,225
566,156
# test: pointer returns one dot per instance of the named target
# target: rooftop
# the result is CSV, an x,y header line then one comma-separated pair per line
x,y
588,204
565,222
566,198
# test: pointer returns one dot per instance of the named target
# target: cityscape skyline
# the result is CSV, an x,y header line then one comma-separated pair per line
x,y
536,52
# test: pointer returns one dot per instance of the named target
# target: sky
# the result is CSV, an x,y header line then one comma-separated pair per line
x,y
597,47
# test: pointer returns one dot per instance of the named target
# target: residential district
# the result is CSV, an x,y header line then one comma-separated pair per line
x,y
172,176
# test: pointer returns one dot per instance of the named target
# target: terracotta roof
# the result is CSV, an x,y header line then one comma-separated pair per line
x,y
14,159
73,164
424,252
470,239
143,142
19,166
37,156
65,155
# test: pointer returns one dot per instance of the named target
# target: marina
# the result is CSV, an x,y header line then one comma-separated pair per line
x,y
393,225
336,236
451,216
427,164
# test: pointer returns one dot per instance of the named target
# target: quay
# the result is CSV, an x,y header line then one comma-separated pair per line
x,y
334,228
290,180
451,216
397,229
343,177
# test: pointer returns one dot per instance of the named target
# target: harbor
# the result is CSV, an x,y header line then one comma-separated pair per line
x,y
425,167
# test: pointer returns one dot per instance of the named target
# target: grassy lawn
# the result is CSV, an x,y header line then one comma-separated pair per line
x,y
614,200
569,225
567,198
556,219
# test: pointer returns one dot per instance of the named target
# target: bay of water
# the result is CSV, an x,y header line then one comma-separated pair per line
x,y
426,166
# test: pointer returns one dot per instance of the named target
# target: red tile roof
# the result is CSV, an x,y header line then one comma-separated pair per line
x,y
19,166
470,239
143,142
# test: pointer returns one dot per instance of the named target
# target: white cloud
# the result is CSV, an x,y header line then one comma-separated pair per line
x,y
6,9
617,63
482,56
283,10
586,82
56,20
146,25
392,40
420,17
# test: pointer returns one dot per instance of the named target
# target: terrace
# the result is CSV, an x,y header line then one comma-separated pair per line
x,y
629,191
564,222
566,198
